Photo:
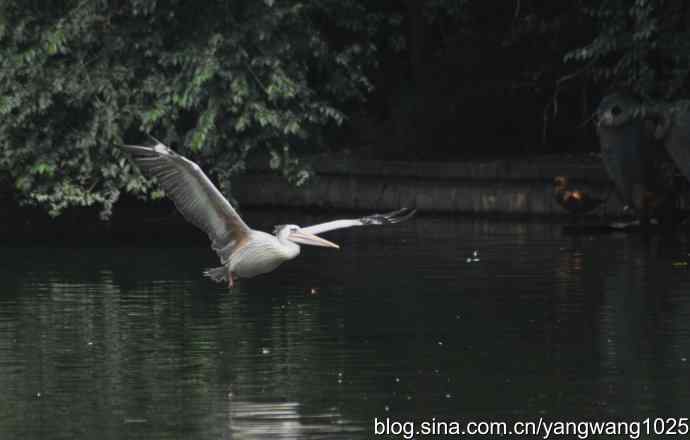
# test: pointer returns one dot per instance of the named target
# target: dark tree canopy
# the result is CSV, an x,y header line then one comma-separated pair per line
x,y
220,80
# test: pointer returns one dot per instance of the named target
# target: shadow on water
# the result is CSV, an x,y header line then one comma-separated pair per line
x,y
405,322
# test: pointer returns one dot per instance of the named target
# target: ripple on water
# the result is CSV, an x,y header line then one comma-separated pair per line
x,y
134,343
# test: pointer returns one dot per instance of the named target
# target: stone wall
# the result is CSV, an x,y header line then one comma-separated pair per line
x,y
519,187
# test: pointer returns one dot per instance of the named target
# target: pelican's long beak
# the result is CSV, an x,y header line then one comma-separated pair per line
x,y
310,239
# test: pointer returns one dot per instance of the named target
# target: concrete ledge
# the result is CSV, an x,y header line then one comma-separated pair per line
x,y
587,167
520,187
507,187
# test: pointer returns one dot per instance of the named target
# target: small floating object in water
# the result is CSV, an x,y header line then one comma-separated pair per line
x,y
314,291
265,350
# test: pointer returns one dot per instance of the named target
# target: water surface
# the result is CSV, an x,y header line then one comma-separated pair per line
x,y
404,322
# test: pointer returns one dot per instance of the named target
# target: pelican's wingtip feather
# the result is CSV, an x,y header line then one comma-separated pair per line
x,y
401,215
137,150
389,218
153,150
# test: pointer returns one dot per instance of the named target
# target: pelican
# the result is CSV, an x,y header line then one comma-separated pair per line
x,y
244,252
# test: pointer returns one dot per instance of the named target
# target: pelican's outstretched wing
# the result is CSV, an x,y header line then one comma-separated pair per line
x,y
194,195
376,219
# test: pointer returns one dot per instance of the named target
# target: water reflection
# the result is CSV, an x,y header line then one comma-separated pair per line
x,y
133,343
284,420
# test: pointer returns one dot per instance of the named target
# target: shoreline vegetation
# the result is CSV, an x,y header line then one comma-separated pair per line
x,y
501,188
427,80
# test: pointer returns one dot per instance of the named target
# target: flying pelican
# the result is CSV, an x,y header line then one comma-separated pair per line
x,y
243,252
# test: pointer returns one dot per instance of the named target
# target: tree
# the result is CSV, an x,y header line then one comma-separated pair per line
x,y
642,46
217,80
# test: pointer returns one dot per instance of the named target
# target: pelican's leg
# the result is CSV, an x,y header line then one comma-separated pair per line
x,y
231,279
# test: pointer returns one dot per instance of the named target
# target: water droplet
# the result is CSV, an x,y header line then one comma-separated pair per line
x,y
684,359
90,343
469,260
440,343
397,379
38,394
265,350
448,396
386,408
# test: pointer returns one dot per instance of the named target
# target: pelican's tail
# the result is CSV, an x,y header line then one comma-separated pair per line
x,y
217,274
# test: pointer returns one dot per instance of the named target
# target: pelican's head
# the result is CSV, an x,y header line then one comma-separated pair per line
x,y
295,234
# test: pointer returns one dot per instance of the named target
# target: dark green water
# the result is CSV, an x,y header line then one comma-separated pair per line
x,y
132,343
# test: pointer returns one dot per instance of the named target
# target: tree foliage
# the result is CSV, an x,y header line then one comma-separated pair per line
x,y
642,46
216,79
221,79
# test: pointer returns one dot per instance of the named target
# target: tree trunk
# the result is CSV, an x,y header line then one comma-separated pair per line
x,y
417,39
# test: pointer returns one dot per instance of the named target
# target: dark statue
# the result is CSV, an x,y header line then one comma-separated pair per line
x,y
673,129
634,157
